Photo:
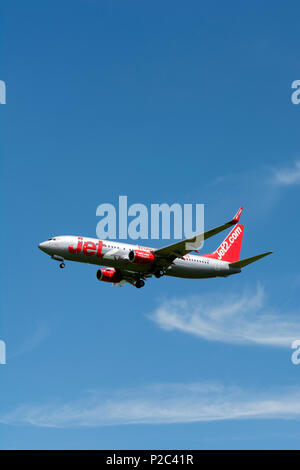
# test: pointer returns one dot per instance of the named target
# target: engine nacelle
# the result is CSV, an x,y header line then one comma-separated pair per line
x,y
141,257
108,275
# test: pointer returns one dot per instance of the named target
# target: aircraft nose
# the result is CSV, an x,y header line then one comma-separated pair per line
x,y
42,246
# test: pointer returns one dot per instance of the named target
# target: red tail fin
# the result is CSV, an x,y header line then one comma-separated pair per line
x,y
230,249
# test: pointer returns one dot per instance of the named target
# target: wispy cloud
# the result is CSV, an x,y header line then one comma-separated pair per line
x,y
287,176
243,317
32,342
162,403
279,176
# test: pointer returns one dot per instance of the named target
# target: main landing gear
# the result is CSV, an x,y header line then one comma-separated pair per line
x,y
62,265
139,283
159,273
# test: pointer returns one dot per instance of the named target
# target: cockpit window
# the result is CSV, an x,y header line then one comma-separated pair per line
x,y
51,239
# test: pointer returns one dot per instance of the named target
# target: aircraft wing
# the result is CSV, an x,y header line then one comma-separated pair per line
x,y
179,249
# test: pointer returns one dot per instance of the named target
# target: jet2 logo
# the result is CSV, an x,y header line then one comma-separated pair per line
x,y
296,94
225,245
88,248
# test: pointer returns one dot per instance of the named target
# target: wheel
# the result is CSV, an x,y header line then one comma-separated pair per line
x,y
62,265
159,273
139,283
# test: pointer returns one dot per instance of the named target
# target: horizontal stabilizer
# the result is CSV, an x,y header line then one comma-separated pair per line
x,y
246,261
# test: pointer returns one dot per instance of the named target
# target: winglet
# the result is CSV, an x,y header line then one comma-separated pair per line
x,y
237,216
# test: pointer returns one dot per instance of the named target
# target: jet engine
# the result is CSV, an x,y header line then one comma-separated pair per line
x,y
108,275
141,257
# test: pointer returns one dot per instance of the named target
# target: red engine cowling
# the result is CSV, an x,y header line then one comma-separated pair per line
x,y
141,257
108,275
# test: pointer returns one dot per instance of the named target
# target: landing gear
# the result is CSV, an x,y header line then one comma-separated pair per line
x,y
159,273
139,283
59,258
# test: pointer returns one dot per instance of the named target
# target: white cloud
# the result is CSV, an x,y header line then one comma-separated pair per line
x,y
158,404
230,318
287,176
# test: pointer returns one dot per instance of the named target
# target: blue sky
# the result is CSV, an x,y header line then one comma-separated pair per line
x,y
162,102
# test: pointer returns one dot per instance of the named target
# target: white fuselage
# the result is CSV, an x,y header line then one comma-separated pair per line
x,y
115,255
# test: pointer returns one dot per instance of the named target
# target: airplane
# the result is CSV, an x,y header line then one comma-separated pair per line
x,y
134,264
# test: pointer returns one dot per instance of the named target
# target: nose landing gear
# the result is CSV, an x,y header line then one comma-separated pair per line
x,y
59,258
